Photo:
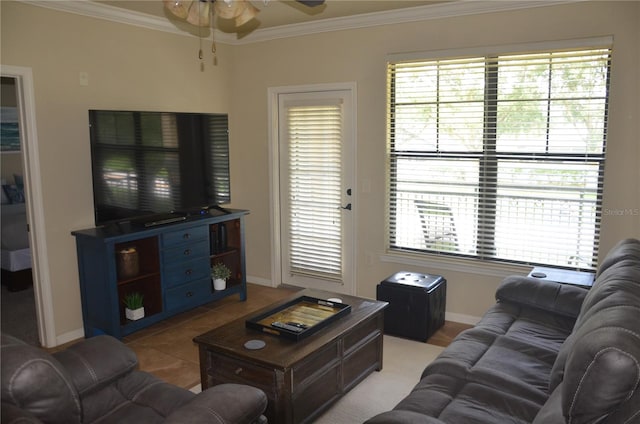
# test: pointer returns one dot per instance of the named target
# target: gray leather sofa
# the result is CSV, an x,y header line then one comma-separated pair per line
x,y
96,380
545,353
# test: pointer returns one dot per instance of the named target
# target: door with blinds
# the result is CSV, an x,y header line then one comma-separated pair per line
x,y
316,189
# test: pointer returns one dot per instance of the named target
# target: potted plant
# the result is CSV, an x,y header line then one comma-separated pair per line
x,y
219,273
134,308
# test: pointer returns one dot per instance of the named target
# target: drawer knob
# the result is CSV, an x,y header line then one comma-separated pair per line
x,y
188,272
187,252
238,371
186,236
189,294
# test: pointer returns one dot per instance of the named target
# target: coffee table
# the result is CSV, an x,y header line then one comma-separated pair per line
x,y
300,378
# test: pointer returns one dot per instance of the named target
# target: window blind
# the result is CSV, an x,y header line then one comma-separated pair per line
x,y
315,147
499,157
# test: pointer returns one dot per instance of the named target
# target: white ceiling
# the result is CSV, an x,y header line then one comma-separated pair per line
x,y
275,13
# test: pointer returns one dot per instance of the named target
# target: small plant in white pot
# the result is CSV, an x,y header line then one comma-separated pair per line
x,y
219,274
134,307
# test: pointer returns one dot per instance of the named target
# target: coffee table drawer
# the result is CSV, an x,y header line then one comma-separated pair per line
x,y
230,370
362,332
362,361
308,370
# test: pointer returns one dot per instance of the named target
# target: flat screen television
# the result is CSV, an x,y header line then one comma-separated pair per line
x,y
146,164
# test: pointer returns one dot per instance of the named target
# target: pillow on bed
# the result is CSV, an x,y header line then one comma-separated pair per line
x,y
14,193
5,199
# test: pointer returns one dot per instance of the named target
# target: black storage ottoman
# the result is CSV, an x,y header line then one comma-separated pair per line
x,y
416,304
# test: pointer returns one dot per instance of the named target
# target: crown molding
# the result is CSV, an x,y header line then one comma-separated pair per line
x,y
398,16
123,16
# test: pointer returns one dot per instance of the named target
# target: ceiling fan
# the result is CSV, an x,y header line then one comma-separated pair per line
x,y
199,12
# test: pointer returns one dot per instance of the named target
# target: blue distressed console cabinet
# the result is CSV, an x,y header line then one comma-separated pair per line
x,y
171,269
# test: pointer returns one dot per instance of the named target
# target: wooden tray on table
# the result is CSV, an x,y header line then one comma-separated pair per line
x,y
299,318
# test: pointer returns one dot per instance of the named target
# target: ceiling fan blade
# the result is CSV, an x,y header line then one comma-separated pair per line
x,y
311,3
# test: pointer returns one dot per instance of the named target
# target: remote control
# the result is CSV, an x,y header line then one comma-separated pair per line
x,y
287,326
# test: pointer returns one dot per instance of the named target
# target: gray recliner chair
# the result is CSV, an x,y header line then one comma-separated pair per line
x,y
97,380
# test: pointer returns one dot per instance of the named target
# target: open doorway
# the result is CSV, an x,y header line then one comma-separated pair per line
x,y
18,300
23,169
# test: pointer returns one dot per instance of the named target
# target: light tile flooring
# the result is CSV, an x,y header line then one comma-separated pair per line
x,y
167,349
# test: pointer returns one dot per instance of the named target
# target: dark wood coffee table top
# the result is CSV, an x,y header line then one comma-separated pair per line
x,y
281,353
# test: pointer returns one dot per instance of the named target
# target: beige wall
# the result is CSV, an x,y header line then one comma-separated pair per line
x,y
140,69
359,56
129,68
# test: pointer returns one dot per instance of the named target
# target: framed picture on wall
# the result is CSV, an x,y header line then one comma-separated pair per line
x,y
9,130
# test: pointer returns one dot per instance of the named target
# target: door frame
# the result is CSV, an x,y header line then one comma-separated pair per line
x,y
35,204
274,175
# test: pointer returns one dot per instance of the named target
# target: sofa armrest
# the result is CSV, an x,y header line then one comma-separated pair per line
x,y
561,299
222,404
96,362
400,416
11,414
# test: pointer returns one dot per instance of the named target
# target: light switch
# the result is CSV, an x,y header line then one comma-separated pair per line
x,y
84,79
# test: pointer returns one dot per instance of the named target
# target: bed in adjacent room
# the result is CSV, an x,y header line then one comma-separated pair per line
x,y
16,253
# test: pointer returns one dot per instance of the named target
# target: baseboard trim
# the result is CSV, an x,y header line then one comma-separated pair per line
x,y
461,318
69,337
259,281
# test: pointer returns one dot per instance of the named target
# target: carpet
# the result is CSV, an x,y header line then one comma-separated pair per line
x,y
403,362
19,315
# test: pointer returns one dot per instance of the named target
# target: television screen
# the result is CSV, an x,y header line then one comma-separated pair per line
x,y
146,163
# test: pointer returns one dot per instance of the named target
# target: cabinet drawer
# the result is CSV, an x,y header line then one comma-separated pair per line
x,y
190,294
174,238
183,272
232,371
185,252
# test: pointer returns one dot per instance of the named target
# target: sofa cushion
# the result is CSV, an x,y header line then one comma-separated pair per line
x,y
36,382
222,404
97,362
455,400
551,411
561,299
511,349
137,397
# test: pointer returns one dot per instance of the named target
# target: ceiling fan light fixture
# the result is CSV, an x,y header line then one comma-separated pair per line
x,y
199,13
179,8
229,9
249,12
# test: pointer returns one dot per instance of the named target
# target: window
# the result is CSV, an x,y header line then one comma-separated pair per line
x,y
499,157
